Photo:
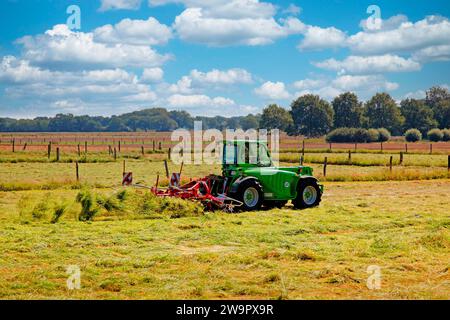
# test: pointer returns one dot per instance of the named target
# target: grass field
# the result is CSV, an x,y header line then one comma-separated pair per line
x,y
402,227
370,216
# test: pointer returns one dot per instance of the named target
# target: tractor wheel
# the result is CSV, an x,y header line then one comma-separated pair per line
x,y
250,194
308,195
274,204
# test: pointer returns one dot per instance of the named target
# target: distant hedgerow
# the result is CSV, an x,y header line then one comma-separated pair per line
x,y
358,135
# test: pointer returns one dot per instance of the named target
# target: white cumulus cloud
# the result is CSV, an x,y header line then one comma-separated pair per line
x,y
221,77
64,48
273,90
178,100
152,75
193,25
370,64
316,38
406,37
135,32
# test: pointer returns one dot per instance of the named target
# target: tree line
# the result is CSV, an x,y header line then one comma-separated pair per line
x,y
156,119
312,116
309,115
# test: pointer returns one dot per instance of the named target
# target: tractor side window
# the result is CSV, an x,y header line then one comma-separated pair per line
x,y
230,154
242,153
264,158
253,153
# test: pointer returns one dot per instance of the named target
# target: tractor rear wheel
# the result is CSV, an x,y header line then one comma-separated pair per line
x,y
250,194
308,195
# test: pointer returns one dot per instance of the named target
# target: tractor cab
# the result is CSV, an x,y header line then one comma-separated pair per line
x,y
245,154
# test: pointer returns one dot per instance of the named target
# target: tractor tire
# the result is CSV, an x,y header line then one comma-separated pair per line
x,y
308,195
274,204
250,194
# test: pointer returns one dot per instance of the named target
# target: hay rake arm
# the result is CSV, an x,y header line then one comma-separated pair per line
x,y
200,190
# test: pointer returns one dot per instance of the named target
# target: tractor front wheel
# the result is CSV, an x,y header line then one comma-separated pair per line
x,y
250,194
308,195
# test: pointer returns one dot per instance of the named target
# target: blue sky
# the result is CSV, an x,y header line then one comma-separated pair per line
x,y
216,57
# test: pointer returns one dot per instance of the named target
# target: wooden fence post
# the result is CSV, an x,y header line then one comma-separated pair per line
x,y
142,150
85,148
381,147
119,146
49,149
160,146
406,147
167,168
431,148
79,150
448,164
76,171
391,160
356,147
124,167
25,146
349,156
325,163
303,148
154,145
169,154
57,154
13,145
401,157
302,159
115,154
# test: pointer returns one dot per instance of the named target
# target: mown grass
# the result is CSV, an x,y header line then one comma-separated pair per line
x,y
50,176
322,253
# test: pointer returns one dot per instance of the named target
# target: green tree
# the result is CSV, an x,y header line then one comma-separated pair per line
x,y
183,119
348,111
250,122
312,116
442,113
382,112
417,115
435,95
117,125
275,117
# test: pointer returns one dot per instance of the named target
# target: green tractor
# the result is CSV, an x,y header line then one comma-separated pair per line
x,y
251,178
249,181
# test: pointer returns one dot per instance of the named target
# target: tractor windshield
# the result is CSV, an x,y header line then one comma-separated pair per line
x,y
247,152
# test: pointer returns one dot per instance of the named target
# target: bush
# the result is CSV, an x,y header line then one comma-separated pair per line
x,y
339,135
361,135
413,135
435,135
374,135
446,133
385,135
348,135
